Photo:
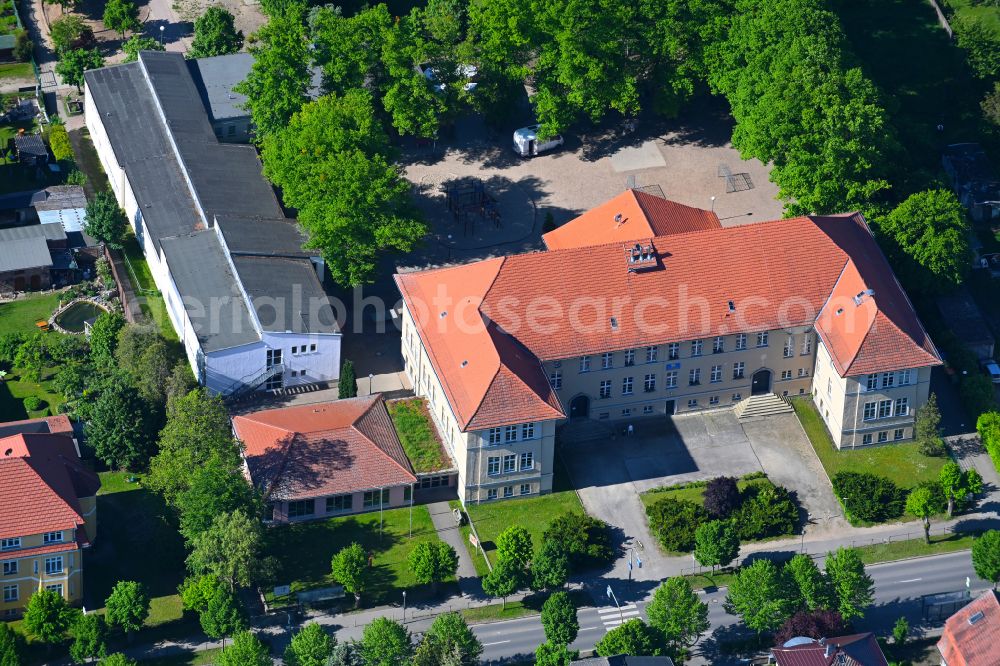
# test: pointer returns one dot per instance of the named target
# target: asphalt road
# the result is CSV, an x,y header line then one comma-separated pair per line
x,y
899,590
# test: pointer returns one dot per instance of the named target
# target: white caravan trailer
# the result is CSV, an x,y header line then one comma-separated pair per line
x,y
527,143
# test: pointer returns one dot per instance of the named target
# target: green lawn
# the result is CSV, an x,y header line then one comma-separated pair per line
x,y
924,80
694,493
16,70
533,513
136,540
901,550
903,463
530,605
418,435
151,302
304,550
990,15
20,316
14,389
138,268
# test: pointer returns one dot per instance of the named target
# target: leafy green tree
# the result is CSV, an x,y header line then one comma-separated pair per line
x,y
70,31
921,504
980,43
991,105
927,238
559,619
385,642
716,544
278,83
197,431
179,384
503,581
352,200
585,539
677,613
10,646
433,562
215,488
222,615
554,654
105,220
64,4
24,48
246,650
449,638
32,356
128,606
349,48
116,659
104,338
900,631
215,34
136,43
229,549
346,654
813,588
761,594
90,638
311,646
119,427
549,566
347,386
142,354
634,638
986,556
48,617
851,584
958,485
412,102
350,569
514,546
722,497
121,16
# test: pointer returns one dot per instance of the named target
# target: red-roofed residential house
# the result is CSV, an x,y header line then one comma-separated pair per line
x,y
326,459
48,512
853,650
657,309
971,636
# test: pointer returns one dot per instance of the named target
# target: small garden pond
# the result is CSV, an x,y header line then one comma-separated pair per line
x,y
73,317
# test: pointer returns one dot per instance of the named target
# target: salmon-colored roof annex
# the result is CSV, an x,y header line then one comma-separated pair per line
x,y
41,483
640,291
631,215
972,634
323,449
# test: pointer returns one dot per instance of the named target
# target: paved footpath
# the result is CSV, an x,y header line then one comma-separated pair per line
x,y
448,531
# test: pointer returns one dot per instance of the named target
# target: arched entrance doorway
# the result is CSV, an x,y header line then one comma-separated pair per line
x,y
760,382
579,407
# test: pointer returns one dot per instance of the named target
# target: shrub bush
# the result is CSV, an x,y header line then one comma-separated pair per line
x,y
674,522
988,427
23,46
9,344
59,143
766,511
33,403
869,497
585,539
722,497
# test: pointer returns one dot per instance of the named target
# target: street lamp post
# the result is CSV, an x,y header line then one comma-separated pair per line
x,y
371,378
404,606
161,35
713,204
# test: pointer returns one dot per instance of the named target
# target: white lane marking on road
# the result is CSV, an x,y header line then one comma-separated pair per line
x,y
588,628
495,643
912,580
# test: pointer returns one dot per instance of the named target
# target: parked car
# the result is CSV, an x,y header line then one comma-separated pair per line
x,y
993,370
527,143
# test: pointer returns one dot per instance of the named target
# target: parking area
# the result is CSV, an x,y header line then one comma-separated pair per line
x,y
482,199
611,472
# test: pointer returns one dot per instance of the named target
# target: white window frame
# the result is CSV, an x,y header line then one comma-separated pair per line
x,y
866,438
716,375
584,364
508,491
649,383
692,403
904,378
527,431
898,434
604,391
870,411
741,341
493,437
884,409
629,357
763,339
901,407
739,370
493,466
871,382
492,493
510,433
713,400
694,377
670,380
673,351
526,461
53,565
807,344
718,344
607,360
651,354
696,347
10,568
509,463
888,379
555,380
525,488
11,593
628,385
12,543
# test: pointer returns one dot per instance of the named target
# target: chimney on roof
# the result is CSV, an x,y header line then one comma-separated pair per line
x,y
860,297
828,652
618,220
8,452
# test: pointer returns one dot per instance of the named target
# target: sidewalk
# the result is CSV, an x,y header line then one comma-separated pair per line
x,y
447,531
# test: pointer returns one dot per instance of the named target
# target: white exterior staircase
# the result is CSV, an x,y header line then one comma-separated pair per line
x,y
761,406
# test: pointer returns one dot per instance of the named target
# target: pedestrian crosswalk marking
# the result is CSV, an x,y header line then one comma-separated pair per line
x,y
612,616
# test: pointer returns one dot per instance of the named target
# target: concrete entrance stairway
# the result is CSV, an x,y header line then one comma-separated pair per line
x,y
760,406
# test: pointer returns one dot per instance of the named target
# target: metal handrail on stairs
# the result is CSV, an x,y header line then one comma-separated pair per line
x,y
252,382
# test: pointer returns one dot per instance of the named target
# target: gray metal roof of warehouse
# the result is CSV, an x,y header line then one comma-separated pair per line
x,y
48,232
215,78
210,292
294,303
23,253
172,155
61,197
271,237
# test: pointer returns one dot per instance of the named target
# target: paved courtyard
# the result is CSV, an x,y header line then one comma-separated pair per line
x,y
689,160
610,474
